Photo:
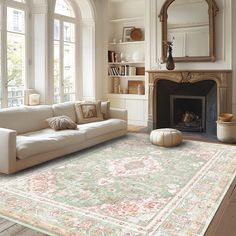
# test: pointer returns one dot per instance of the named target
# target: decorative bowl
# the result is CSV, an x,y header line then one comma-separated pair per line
x,y
225,117
136,34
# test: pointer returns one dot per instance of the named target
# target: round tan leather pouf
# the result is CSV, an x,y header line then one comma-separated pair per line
x,y
166,137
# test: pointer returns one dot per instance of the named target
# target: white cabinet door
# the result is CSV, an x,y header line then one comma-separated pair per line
x,y
137,109
117,103
136,112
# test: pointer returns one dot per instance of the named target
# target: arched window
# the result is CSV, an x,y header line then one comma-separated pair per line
x,y
64,8
13,52
64,52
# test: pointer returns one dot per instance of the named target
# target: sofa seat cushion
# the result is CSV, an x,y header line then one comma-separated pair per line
x,y
46,140
99,128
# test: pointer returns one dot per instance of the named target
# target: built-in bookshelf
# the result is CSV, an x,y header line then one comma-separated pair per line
x,y
127,62
126,58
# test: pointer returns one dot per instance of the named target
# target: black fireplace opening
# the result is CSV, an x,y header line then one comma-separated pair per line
x,y
194,104
187,113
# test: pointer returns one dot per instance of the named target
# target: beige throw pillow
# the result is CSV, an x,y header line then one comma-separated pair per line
x,y
88,112
61,123
105,108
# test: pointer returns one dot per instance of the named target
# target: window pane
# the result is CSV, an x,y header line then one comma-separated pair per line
x,y
64,8
56,72
69,97
69,32
0,17
15,96
23,1
15,20
69,71
0,59
56,98
15,68
56,30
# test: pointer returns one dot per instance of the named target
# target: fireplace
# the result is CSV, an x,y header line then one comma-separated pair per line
x,y
192,99
187,113
214,86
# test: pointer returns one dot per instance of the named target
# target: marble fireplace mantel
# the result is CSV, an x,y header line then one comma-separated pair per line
x,y
223,79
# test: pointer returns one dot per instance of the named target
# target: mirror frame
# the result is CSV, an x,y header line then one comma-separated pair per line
x,y
163,16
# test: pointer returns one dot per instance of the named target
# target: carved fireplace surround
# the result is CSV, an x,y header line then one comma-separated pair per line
x,y
223,79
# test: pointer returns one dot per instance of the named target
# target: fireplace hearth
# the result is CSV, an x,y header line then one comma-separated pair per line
x,y
187,113
214,86
175,100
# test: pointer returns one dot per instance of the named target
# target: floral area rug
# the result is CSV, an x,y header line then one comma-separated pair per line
x,y
125,187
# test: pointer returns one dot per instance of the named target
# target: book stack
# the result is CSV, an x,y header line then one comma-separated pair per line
x,y
122,70
113,71
112,56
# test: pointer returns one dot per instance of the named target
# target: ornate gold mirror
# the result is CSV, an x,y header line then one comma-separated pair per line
x,y
190,25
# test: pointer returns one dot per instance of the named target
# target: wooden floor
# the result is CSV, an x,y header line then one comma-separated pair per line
x,y
226,227
8,228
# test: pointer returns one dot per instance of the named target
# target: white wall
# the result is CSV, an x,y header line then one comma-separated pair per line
x,y
101,47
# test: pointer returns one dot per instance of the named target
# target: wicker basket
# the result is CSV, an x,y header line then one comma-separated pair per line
x,y
226,131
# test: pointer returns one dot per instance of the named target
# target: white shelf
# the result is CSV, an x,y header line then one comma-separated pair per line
x,y
120,20
127,43
137,77
126,63
125,96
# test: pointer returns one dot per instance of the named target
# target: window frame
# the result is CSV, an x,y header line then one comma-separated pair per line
x,y
72,8
4,31
63,19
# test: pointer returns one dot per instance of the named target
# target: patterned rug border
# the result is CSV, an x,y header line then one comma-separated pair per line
x,y
219,203
75,210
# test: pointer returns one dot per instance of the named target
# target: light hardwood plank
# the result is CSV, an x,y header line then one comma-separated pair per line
x,y
12,230
8,228
227,225
6,225
28,232
2,220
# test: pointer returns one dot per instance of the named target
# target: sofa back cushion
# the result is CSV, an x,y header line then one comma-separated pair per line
x,y
65,109
25,119
105,109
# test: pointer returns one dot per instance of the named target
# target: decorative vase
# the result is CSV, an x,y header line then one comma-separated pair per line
x,y
170,65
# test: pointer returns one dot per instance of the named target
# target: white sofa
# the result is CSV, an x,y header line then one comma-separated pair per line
x,y
26,139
